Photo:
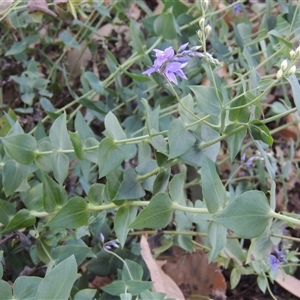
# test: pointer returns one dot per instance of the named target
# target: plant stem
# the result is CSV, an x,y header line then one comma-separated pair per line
x,y
273,214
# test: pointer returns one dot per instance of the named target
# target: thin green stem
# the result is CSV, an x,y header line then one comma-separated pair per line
x,y
273,214
177,206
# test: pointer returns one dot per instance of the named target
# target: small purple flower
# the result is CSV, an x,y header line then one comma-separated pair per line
x,y
274,262
163,56
237,8
175,68
169,64
281,256
243,157
101,238
182,47
113,244
251,160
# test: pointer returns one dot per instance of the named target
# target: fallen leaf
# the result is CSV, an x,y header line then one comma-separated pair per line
x,y
192,272
78,59
4,8
35,6
134,12
161,282
289,283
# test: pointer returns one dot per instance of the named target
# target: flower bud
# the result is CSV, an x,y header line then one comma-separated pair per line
x,y
292,54
199,33
283,65
292,70
207,29
279,74
201,23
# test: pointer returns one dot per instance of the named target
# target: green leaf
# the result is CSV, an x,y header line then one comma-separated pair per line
x,y
6,291
82,128
130,188
124,216
110,156
156,215
94,82
217,239
176,189
207,99
25,287
135,287
114,180
161,181
234,141
96,193
20,147
13,176
54,195
116,288
60,166
125,296
147,295
43,161
185,115
113,127
235,277
293,80
68,39
80,253
58,283
208,134
246,215
72,215
22,219
85,294
136,271
239,114
137,38
77,144
260,132
165,26
7,211
59,136
262,282
214,192
43,250
17,48
180,139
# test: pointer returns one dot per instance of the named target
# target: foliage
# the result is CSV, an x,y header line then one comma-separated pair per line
x,y
111,150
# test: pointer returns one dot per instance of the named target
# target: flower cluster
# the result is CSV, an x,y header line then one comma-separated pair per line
x,y
170,65
276,260
250,161
108,245
288,68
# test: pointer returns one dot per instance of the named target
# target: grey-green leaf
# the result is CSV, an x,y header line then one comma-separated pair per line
x,y
72,215
156,215
20,147
59,136
213,190
58,283
110,156
246,215
180,139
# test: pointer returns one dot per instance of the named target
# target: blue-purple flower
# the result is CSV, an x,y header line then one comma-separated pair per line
x,y
174,68
169,64
274,262
237,8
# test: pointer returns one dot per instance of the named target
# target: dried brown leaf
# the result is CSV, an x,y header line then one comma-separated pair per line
x,y
35,6
289,283
161,282
78,59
